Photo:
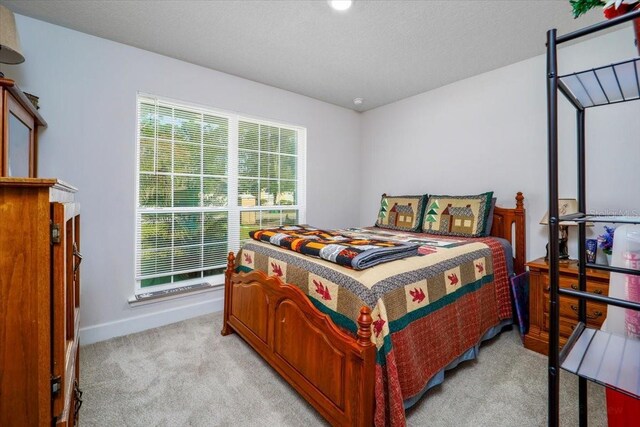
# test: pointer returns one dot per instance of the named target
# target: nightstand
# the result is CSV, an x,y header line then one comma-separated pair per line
x,y
538,337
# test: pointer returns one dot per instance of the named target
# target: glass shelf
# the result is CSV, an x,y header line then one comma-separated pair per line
x,y
608,359
610,84
612,268
616,219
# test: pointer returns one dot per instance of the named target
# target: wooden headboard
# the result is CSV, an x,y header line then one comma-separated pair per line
x,y
509,223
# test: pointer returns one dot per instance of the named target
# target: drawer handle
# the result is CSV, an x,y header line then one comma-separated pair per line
x,y
575,288
78,400
78,255
595,315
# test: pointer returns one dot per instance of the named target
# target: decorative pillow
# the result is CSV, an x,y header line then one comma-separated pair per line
x,y
457,215
401,212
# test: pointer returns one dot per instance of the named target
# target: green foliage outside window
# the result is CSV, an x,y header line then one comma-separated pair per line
x,y
183,164
183,188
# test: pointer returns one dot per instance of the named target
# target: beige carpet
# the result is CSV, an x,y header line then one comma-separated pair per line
x,y
187,374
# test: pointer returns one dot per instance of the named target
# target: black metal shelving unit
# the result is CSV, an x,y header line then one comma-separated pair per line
x,y
611,360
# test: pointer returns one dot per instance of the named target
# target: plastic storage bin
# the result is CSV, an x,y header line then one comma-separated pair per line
x,y
624,410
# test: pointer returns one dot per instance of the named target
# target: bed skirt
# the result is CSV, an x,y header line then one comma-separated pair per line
x,y
470,354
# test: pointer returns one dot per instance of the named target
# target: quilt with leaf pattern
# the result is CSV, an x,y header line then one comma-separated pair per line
x,y
428,310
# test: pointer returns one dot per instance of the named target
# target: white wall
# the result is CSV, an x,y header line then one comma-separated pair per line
x,y
87,88
489,132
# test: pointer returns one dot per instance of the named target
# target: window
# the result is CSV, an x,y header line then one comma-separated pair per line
x,y
205,180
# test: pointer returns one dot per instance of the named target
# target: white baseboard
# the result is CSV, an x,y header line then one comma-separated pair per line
x,y
131,325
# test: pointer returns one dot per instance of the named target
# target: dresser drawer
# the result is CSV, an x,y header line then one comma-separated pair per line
x,y
597,282
568,307
599,288
566,325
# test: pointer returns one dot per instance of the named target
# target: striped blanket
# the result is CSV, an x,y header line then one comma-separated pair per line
x,y
357,252
427,310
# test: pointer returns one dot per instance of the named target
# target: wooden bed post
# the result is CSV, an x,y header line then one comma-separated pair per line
x,y
521,246
364,327
231,266
367,386
510,224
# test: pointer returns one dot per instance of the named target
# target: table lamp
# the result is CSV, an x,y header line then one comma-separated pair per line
x,y
565,207
10,50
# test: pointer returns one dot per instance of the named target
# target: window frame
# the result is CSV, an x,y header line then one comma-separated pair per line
x,y
233,208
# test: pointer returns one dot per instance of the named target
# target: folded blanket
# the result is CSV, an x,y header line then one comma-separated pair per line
x,y
335,247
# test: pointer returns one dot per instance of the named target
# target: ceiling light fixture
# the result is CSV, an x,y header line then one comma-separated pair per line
x,y
358,101
340,5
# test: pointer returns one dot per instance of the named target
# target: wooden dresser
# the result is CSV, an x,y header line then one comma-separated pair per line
x,y
538,337
39,302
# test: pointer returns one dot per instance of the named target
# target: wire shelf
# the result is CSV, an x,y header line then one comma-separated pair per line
x,y
605,85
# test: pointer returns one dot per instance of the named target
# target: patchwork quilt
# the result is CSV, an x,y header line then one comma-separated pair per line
x,y
357,252
427,310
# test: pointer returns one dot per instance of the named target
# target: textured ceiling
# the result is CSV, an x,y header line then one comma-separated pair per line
x,y
381,51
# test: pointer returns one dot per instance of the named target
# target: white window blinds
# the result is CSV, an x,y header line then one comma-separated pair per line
x,y
269,191
205,180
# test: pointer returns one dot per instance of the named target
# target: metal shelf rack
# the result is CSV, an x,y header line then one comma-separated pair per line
x,y
593,355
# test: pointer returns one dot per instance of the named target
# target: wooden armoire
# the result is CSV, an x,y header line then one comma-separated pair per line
x,y
39,302
39,277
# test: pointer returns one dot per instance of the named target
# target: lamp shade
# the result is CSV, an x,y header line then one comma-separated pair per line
x,y
565,207
10,50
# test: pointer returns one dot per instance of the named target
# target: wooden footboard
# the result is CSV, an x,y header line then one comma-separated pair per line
x,y
333,371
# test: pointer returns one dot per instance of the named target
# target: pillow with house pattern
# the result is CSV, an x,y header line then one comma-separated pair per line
x,y
457,215
401,212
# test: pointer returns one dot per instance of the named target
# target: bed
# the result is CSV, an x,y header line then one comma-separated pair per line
x,y
367,367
